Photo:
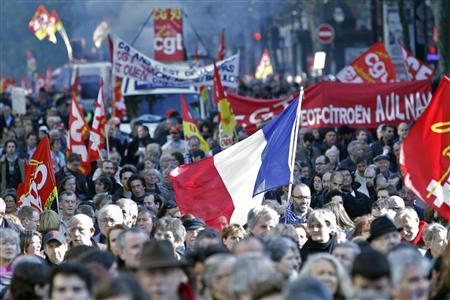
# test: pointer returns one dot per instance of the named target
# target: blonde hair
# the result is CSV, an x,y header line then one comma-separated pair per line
x,y
323,216
48,220
344,286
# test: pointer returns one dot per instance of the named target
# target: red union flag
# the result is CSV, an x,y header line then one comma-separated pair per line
x,y
168,34
373,66
417,69
39,186
78,132
97,135
425,153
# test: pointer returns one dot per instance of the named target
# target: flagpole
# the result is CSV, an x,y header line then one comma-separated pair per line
x,y
66,40
294,147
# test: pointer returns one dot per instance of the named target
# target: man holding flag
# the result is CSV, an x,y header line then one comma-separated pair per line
x,y
39,186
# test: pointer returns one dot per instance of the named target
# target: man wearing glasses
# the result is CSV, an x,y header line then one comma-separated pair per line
x,y
299,205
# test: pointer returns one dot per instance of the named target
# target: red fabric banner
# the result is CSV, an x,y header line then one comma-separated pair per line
x,y
168,34
425,153
78,132
39,186
372,66
331,104
97,134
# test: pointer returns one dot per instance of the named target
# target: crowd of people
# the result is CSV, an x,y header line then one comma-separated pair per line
x,y
349,229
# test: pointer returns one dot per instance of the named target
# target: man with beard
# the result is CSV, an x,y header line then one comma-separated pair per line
x,y
299,205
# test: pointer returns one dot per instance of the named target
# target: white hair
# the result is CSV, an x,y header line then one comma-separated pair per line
x,y
128,203
432,231
114,209
407,211
81,218
403,258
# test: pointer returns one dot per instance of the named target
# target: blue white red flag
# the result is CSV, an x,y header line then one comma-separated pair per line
x,y
233,181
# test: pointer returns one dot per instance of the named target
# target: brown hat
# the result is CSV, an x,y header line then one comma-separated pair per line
x,y
159,254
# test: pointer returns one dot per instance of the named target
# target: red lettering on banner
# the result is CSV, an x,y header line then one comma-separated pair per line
x,y
366,105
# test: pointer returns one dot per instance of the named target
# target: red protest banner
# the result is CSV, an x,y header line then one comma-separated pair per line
x,y
372,66
39,186
97,134
425,153
168,34
78,131
417,69
331,104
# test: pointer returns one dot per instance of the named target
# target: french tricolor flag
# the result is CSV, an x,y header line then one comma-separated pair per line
x,y
230,183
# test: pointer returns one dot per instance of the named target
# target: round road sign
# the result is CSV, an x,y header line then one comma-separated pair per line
x,y
325,33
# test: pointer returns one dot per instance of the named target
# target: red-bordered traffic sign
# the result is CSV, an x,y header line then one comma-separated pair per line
x,y
325,33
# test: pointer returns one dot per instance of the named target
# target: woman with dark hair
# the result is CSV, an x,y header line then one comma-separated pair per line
x,y
317,190
30,243
68,183
103,184
146,220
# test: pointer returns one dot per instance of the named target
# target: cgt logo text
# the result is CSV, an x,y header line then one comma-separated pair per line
x,y
168,45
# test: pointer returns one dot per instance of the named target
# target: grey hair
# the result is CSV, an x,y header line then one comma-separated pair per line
x,y
10,235
349,245
120,241
257,213
124,202
156,171
250,269
110,207
432,230
351,146
82,218
403,258
278,246
174,225
212,265
344,290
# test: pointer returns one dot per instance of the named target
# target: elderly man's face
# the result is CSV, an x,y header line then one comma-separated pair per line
x,y
80,233
68,204
409,226
108,220
131,253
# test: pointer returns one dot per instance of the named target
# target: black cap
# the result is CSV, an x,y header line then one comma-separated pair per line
x,y
380,226
380,157
54,235
192,224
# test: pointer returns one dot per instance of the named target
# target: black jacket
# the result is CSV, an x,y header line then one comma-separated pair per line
x,y
311,247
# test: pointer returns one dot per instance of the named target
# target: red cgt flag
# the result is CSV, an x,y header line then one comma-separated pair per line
x,y
97,135
425,153
373,66
78,131
39,187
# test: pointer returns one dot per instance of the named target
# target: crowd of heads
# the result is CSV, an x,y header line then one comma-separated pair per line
x,y
347,228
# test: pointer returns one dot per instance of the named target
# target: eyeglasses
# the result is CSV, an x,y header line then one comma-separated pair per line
x,y
301,197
